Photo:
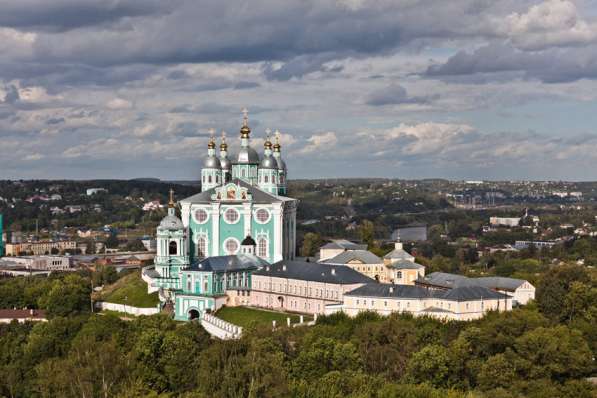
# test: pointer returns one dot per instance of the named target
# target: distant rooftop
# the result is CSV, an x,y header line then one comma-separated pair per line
x,y
444,279
344,244
364,256
315,272
467,293
230,263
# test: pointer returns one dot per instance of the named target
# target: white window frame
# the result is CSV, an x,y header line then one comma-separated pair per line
x,y
202,236
195,218
225,249
224,211
269,215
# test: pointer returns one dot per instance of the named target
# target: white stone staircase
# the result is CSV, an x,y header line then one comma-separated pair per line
x,y
220,328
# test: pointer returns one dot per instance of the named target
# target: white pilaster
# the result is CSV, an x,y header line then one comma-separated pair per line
x,y
215,222
247,218
278,219
185,213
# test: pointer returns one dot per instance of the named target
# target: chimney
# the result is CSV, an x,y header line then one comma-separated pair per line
x,y
398,245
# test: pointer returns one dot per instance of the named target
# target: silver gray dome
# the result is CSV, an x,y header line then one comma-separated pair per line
x,y
248,155
212,162
171,222
268,162
225,163
281,164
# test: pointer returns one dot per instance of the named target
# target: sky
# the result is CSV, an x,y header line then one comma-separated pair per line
x,y
459,89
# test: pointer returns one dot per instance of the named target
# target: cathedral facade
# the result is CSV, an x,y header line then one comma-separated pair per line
x,y
239,222
242,196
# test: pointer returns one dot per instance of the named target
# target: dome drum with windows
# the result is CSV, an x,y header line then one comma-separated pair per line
x,y
268,172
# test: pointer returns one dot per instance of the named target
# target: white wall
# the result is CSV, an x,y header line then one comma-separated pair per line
x,y
126,308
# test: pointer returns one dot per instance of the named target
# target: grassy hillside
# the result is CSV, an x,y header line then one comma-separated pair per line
x,y
130,290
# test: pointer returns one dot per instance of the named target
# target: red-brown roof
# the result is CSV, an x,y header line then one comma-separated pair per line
x,y
22,314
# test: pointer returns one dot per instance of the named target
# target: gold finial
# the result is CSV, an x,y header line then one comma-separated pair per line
x,y
245,131
277,144
267,144
171,202
223,145
212,141
245,112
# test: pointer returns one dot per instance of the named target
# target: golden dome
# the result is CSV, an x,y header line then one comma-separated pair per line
x,y
245,131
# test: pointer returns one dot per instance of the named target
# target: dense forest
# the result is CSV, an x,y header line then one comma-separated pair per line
x,y
545,349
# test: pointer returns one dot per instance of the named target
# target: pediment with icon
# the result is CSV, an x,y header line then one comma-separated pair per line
x,y
231,192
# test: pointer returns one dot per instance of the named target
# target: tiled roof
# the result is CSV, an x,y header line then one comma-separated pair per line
x,y
468,293
22,314
389,290
444,279
344,244
314,272
405,264
239,262
398,254
365,256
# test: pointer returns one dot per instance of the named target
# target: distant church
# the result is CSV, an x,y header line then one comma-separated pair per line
x,y
238,223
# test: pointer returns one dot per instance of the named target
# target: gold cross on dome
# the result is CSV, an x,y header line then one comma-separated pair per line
x,y
245,112
171,203
223,136
277,134
268,131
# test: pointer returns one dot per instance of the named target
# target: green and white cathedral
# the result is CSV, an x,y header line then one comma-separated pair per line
x,y
238,223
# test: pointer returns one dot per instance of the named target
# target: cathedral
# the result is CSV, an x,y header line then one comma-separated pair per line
x,y
238,223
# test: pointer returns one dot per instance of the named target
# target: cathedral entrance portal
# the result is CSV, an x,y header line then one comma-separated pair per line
x,y
281,301
193,314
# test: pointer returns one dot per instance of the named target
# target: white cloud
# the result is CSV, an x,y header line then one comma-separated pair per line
x,y
119,104
550,23
320,142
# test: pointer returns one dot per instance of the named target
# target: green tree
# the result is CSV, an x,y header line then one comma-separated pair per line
x,y
554,286
498,371
311,244
325,355
67,296
431,364
556,352
366,232
581,301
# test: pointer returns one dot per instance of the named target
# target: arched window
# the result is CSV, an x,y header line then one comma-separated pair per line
x,y
172,248
201,247
399,274
209,179
262,247
243,173
266,179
